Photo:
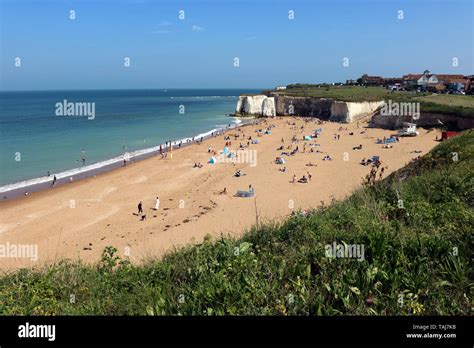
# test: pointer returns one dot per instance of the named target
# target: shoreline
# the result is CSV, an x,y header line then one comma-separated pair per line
x,y
37,184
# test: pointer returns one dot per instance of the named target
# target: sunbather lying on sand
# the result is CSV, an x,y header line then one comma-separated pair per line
x,y
303,180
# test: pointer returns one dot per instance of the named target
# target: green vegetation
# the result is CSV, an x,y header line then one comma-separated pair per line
x,y
449,104
416,226
342,93
449,99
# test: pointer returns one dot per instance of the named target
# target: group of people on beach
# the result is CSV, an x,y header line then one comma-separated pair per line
x,y
142,214
303,180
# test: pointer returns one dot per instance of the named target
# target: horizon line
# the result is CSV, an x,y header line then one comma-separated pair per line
x,y
124,89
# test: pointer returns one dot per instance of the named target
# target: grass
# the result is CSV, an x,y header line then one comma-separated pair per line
x,y
449,99
416,226
342,93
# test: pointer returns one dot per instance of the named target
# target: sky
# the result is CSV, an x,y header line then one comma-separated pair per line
x,y
276,42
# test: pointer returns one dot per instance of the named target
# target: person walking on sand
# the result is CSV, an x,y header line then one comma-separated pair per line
x,y
140,208
54,180
157,204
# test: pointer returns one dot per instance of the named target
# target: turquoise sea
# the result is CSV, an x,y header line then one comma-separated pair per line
x,y
35,140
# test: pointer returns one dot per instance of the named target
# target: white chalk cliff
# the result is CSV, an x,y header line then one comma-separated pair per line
x,y
268,107
259,105
349,111
324,108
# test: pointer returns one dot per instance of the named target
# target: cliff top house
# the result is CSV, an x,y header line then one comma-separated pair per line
x,y
411,77
392,80
371,80
435,81
427,80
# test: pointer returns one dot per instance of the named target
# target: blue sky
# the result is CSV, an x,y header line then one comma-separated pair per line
x,y
198,52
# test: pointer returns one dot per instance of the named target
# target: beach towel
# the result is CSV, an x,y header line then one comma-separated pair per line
x,y
307,137
245,194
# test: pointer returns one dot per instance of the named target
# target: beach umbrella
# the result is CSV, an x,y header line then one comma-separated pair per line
x,y
280,160
212,160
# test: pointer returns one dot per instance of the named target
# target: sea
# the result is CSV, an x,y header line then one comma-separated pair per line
x,y
65,133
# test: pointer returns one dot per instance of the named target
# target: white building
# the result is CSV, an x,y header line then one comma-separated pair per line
x,y
408,129
428,80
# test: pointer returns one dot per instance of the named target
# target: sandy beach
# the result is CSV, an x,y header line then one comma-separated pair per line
x,y
78,220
